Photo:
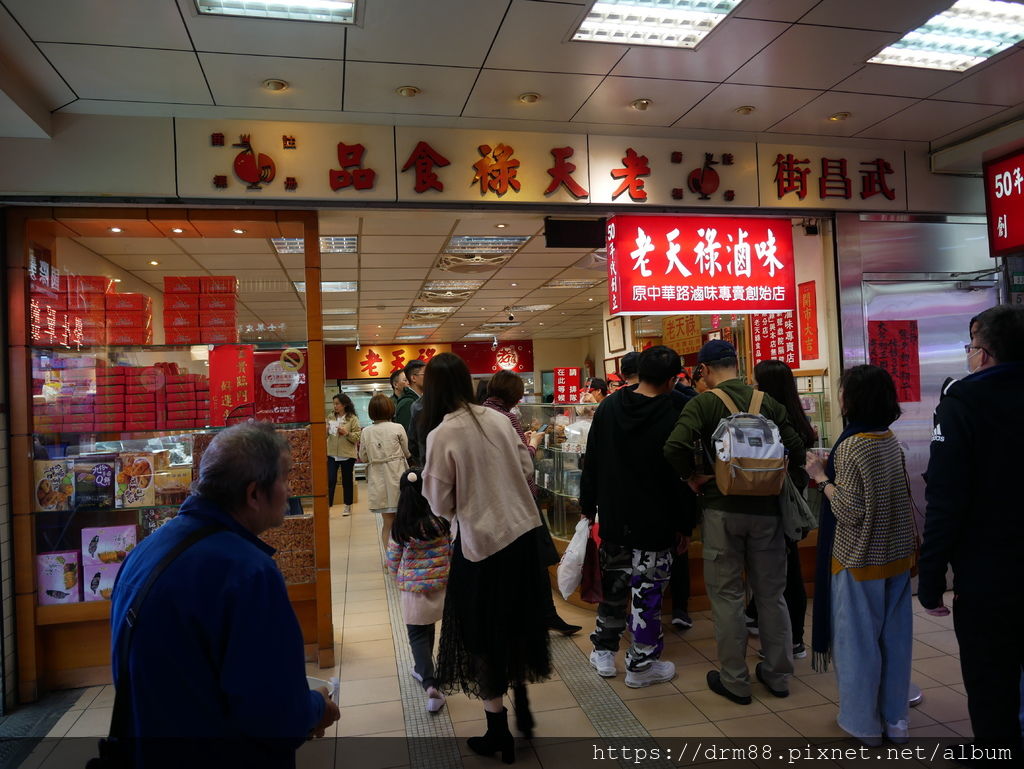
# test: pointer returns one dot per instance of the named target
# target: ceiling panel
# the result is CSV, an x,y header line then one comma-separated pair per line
x,y
331,275
393,287
778,10
485,223
331,261
141,261
442,32
21,56
232,261
546,25
138,23
529,272
496,95
610,103
407,222
498,283
224,245
393,274
130,74
875,14
129,245
400,244
812,57
399,260
718,110
370,87
928,120
237,81
436,274
553,259
898,81
999,83
724,51
864,111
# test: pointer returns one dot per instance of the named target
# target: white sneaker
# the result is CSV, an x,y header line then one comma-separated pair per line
x,y
346,510
898,733
435,700
658,673
414,674
604,662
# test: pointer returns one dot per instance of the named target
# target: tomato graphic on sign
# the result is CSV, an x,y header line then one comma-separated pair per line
x,y
704,181
252,167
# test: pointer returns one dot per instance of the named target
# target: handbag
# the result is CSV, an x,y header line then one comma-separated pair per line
x,y
797,518
116,750
592,588
570,568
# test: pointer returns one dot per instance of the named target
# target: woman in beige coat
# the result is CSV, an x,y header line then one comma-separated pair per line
x,y
342,439
384,448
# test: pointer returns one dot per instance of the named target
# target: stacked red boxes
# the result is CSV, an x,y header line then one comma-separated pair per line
x,y
140,404
84,297
218,313
187,404
181,310
129,319
109,403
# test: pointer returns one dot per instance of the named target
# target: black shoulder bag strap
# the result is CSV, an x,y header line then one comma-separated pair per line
x,y
115,750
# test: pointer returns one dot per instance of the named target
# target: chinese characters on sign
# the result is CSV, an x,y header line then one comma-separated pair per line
x,y
791,173
351,173
379,361
808,320
424,159
50,322
496,170
676,265
231,377
773,337
892,345
681,333
567,385
1004,204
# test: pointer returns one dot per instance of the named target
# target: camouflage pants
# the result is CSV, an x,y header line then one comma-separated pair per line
x,y
633,581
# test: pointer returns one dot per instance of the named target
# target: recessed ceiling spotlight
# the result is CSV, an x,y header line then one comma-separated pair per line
x,y
501,226
275,84
746,109
838,117
483,308
529,97
641,105
115,229
590,299
238,230
117,280
154,262
177,230
515,285
408,91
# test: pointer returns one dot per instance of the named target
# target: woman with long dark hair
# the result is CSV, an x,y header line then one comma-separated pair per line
x,y
342,443
494,633
776,379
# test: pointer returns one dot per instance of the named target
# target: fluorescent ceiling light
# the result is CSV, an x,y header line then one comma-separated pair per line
x,y
665,23
330,286
413,338
329,244
501,324
415,326
339,328
340,339
965,35
332,11
571,283
530,307
485,244
431,310
452,285
479,335
339,311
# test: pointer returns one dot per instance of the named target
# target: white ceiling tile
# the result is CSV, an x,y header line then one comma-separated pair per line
x,y
483,223
407,222
998,83
335,261
391,274
812,57
529,272
21,56
277,296
140,262
875,14
258,305
546,26
232,261
777,10
393,287
718,110
442,32
898,81
725,50
398,244
237,81
496,95
553,259
138,23
928,120
224,245
504,282
251,280
371,87
331,275
132,74
610,103
865,110
114,245
398,260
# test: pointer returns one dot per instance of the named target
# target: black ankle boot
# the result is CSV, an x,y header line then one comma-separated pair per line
x,y
524,718
557,623
498,737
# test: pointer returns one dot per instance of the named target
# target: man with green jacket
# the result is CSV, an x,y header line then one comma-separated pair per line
x,y
739,533
411,394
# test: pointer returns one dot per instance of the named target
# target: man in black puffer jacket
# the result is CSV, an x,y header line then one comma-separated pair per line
x,y
643,506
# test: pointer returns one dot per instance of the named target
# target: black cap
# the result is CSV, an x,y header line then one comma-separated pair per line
x,y
630,364
714,350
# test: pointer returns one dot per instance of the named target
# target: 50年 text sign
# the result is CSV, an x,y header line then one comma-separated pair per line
x,y
1004,203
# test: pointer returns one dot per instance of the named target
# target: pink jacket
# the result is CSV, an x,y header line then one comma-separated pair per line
x,y
420,566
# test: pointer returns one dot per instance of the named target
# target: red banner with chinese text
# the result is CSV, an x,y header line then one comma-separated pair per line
x,y
681,333
567,385
1004,204
670,265
893,345
231,380
510,356
808,320
773,337
373,361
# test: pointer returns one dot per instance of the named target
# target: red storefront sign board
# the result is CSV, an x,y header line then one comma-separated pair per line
x,y
807,320
231,378
1004,204
773,337
892,345
510,356
374,361
567,385
670,265
282,388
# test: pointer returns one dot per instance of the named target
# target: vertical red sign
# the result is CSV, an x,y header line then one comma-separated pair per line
x,y
567,385
892,345
282,389
231,370
773,337
807,302
1004,204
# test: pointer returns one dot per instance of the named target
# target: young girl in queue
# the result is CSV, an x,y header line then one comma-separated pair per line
x,y
342,439
384,447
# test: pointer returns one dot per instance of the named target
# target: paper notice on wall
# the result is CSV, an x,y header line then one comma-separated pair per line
x,y
893,345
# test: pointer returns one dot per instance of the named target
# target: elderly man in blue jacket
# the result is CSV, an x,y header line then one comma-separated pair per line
x,y
216,669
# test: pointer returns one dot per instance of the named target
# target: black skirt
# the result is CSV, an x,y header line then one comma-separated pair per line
x,y
494,634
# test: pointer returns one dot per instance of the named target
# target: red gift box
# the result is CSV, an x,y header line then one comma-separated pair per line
x,y
180,387
217,302
91,319
140,398
175,406
180,284
110,427
217,319
109,400
130,336
86,284
94,337
138,408
77,400
109,408
218,284
182,335
47,422
105,391
181,302
140,390
132,320
87,302
57,302
181,416
180,424
219,335
179,319
178,397
128,303
137,427
78,426
81,408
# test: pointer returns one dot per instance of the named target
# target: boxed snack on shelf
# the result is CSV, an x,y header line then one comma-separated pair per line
x,y
87,302
129,336
128,303
94,482
182,335
300,480
107,544
57,577
135,483
132,320
218,319
86,284
173,484
99,579
180,284
217,302
153,518
218,284
181,302
228,335
54,484
180,319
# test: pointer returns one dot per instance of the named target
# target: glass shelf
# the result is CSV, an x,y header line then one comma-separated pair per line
x,y
168,431
96,511
102,348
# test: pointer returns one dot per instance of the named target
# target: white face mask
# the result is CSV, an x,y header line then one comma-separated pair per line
x,y
972,355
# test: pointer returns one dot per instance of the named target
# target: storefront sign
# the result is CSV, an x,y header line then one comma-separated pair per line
x,y
773,337
808,320
373,361
681,333
567,385
893,345
1004,204
231,380
510,356
282,390
665,265
1017,288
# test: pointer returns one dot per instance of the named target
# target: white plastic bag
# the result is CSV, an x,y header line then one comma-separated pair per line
x,y
570,568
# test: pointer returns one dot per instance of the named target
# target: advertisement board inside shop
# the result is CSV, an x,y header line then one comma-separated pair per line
x,y
1004,204
668,265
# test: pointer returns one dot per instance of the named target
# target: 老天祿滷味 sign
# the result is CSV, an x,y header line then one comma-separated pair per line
x,y
1004,204
671,265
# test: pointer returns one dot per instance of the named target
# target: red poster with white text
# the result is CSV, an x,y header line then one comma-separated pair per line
x,y
773,337
567,385
282,389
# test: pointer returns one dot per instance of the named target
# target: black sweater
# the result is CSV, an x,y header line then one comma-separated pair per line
x,y
641,501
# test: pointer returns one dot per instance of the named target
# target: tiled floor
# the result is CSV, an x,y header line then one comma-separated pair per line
x,y
372,659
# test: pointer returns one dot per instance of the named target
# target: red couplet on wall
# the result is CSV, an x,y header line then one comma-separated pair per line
x,y
773,337
567,385
282,388
231,369
671,265
893,345
514,356
1004,203
807,317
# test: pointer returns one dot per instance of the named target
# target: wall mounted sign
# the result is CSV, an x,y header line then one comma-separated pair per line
x,y
774,337
1004,204
374,361
807,320
893,345
567,385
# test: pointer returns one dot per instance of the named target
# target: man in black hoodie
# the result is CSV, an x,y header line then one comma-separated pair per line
x,y
642,506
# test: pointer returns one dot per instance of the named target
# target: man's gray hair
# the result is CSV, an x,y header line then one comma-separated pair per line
x,y
1001,331
240,455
